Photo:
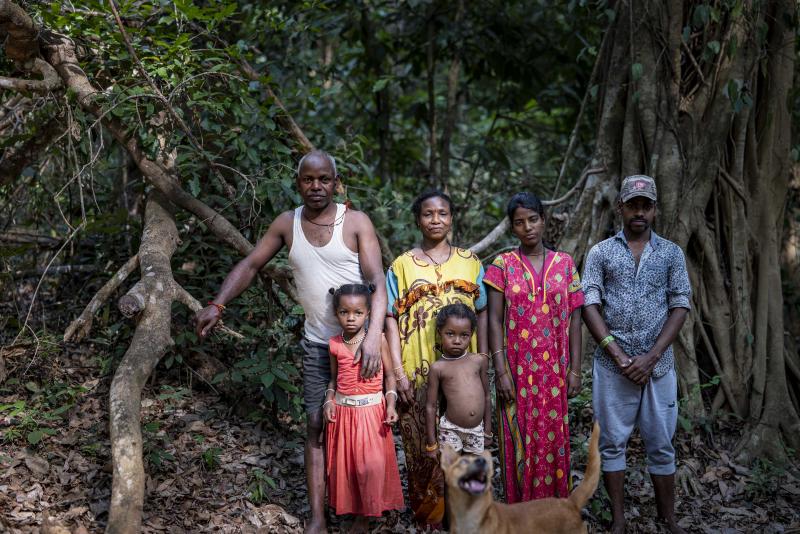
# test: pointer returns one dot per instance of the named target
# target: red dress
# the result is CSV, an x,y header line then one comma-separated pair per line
x,y
534,443
363,478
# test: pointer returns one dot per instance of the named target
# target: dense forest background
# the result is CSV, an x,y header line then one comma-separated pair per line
x,y
147,145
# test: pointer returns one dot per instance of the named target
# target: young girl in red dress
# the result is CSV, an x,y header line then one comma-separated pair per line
x,y
363,478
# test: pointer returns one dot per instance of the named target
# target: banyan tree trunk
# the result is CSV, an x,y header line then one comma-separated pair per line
x,y
695,94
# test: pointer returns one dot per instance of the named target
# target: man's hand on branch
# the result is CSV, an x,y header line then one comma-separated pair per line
x,y
206,319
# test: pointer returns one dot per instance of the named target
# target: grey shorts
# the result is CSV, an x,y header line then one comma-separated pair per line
x,y
316,374
620,406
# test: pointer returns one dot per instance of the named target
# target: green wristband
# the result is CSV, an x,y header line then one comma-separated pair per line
x,y
606,341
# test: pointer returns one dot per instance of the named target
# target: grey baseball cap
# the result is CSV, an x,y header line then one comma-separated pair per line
x,y
638,185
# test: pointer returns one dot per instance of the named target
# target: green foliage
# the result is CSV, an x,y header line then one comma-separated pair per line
x,y
211,458
31,420
765,480
154,445
689,423
260,484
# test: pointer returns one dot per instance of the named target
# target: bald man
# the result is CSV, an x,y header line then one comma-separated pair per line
x,y
329,246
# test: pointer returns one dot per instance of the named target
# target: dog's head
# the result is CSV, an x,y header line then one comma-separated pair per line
x,y
470,474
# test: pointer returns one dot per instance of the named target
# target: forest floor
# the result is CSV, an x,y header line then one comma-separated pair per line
x,y
211,470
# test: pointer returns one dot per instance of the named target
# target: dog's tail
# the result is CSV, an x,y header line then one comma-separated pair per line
x,y
585,491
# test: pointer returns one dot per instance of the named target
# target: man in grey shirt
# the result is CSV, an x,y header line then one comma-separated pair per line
x,y
640,281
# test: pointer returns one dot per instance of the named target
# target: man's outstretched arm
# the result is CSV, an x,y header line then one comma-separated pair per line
x,y
241,276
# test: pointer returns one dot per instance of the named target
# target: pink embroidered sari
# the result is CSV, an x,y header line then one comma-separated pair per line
x,y
534,444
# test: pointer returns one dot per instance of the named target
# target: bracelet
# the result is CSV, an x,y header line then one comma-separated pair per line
x,y
393,392
606,341
431,448
573,373
331,390
489,435
498,352
326,402
220,307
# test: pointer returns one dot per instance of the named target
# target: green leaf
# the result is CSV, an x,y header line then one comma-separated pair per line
x,y
152,427
700,16
380,85
35,436
636,71
685,423
267,380
194,186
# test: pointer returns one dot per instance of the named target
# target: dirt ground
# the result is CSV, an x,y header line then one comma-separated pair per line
x,y
210,470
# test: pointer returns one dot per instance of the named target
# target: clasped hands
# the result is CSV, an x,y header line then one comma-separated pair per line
x,y
637,369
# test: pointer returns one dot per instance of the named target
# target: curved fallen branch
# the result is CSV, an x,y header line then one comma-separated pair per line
x,y
150,342
503,226
80,327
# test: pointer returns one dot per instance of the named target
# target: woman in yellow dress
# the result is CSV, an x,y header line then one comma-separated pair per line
x,y
419,283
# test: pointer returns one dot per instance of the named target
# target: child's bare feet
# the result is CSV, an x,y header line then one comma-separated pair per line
x,y
360,525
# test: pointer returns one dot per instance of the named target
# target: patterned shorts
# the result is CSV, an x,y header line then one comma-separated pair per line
x,y
467,439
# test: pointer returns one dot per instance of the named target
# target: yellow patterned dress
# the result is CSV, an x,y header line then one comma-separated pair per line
x,y
417,290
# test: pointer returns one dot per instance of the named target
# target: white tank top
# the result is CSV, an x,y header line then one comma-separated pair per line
x,y
316,270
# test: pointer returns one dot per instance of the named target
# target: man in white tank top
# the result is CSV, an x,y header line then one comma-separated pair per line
x,y
328,246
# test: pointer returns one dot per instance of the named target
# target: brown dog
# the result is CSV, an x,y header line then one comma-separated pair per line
x,y
472,509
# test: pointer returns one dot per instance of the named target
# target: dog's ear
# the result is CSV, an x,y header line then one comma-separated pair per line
x,y
448,456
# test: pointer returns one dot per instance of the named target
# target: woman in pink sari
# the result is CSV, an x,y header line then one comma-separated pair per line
x,y
535,301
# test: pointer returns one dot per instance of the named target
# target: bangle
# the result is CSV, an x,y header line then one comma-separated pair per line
x,y
498,352
431,448
220,307
573,373
606,341
489,435
326,402
393,392
331,390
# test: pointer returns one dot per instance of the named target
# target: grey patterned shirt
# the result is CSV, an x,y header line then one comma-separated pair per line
x,y
635,303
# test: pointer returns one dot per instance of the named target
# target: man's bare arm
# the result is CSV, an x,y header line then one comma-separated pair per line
x,y
243,273
369,256
599,330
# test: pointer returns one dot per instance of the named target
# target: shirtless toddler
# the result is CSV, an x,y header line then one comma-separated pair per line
x,y
463,379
